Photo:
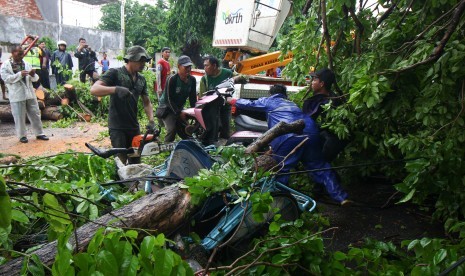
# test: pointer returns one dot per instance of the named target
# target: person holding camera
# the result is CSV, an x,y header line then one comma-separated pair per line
x,y
18,76
86,59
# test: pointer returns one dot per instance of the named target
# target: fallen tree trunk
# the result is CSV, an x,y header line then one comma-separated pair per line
x,y
161,211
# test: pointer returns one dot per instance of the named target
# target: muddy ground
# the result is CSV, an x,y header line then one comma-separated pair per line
x,y
375,214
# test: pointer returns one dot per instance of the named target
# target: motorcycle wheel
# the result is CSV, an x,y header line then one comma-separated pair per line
x,y
187,129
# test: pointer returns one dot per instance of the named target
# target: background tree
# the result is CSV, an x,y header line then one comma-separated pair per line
x,y
190,28
399,65
145,24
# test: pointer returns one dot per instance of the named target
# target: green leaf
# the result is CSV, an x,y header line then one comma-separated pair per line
x,y
19,216
339,256
147,246
164,262
274,227
408,196
106,263
439,256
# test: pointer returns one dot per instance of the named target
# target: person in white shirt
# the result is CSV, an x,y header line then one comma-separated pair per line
x,y
18,76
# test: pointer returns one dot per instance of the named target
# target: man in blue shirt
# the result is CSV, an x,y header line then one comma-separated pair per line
x,y
278,108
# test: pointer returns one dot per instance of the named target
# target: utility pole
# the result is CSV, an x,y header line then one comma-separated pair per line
x,y
122,43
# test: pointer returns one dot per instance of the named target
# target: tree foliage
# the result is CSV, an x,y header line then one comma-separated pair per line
x,y
145,24
399,65
190,27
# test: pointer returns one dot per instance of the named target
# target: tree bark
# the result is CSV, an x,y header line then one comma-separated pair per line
x,y
278,130
160,212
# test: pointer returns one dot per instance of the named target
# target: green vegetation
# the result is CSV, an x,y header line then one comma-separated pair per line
x,y
399,68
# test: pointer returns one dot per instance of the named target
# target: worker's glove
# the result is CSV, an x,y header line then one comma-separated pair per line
x,y
122,92
150,127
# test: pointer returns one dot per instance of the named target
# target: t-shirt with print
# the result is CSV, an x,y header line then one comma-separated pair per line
x,y
123,113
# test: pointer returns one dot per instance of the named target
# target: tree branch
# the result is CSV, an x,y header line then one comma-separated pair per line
x,y
405,14
326,34
438,50
307,6
361,29
420,35
387,13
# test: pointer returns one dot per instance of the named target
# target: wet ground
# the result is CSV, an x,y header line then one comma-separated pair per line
x,y
376,214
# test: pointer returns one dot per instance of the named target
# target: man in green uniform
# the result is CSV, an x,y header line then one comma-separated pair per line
x,y
177,89
215,75
125,85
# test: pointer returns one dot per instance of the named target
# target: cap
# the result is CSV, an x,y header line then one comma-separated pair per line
x,y
184,61
136,53
61,42
325,75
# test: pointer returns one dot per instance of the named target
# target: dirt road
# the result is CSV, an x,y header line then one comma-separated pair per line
x,y
61,139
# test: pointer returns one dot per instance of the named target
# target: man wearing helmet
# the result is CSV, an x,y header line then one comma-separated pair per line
x,y
64,63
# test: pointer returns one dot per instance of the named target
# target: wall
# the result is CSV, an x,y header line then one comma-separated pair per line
x,y
23,8
14,29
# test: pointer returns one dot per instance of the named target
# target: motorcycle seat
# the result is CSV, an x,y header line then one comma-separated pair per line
x,y
244,122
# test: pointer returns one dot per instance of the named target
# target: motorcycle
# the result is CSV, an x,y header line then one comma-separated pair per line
x,y
197,122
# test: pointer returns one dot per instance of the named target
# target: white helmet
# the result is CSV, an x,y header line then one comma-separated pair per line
x,y
61,42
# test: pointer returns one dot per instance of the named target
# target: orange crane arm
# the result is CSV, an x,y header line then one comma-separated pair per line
x,y
261,63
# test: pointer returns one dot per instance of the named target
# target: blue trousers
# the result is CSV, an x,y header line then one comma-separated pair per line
x,y
312,158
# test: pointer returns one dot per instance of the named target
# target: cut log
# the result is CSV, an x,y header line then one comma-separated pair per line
x,y
5,113
161,212
51,113
70,93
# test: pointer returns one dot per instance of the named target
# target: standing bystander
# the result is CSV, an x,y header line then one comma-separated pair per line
x,y
44,57
86,59
163,71
18,76
105,63
64,58
125,85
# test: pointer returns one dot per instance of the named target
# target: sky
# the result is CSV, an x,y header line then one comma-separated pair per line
x,y
83,15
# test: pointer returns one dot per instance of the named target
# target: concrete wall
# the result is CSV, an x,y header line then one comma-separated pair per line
x,y
14,29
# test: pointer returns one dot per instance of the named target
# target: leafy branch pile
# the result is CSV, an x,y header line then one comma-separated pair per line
x,y
399,67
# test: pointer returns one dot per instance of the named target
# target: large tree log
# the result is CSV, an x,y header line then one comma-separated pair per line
x,y
51,113
5,113
161,211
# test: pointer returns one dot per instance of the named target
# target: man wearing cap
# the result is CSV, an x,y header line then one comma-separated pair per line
x,y
322,80
163,70
125,85
178,88
290,149
64,58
